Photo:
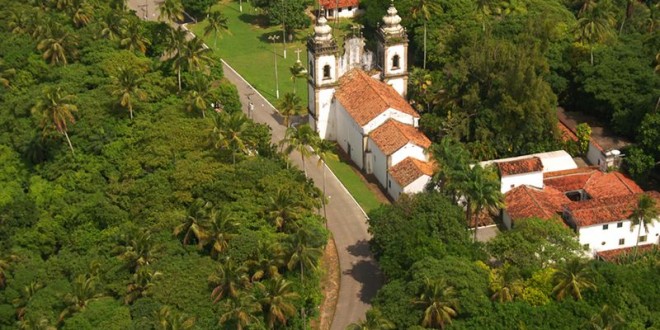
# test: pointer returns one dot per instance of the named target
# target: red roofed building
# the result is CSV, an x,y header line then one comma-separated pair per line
x,y
595,204
358,100
340,8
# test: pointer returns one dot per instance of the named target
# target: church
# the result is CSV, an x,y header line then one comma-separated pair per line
x,y
358,100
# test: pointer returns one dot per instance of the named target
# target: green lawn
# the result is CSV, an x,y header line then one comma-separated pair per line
x,y
354,184
248,50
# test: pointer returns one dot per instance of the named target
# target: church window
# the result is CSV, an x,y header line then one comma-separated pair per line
x,y
326,71
395,62
311,69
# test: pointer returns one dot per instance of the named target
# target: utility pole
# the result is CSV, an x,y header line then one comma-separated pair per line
x,y
274,38
283,31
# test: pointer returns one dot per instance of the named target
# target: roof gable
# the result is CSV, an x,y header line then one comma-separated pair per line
x,y
526,202
393,135
332,4
410,169
364,98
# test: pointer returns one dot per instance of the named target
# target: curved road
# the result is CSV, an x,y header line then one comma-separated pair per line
x,y
360,276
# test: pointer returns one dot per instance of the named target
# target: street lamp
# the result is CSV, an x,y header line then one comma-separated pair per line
x,y
274,39
283,31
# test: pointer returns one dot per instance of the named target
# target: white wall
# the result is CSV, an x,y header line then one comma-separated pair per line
x,y
595,236
409,150
348,132
326,116
379,163
383,117
390,51
394,190
345,13
506,219
418,185
321,62
594,155
511,181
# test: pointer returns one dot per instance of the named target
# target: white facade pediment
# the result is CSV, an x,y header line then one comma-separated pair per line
x,y
390,113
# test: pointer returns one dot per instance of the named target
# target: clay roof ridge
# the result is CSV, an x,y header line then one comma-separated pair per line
x,y
618,176
528,192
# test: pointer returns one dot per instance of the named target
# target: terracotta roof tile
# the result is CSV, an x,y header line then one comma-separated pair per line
x,y
520,166
613,255
331,4
364,98
393,135
611,184
566,133
605,210
409,170
570,180
526,202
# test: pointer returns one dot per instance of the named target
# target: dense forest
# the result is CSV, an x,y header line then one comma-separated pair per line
x,y
126,203
490,73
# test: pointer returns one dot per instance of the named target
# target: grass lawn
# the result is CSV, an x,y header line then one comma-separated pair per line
x,y
248,50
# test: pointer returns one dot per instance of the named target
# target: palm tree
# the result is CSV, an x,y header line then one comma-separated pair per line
x,y
112,26
5,74
137,249
166,319
196,54
324,149
439,302
57,44
81,13
277,301
507,286
482,192
171,10
571,279
26,294
141,285
18,21
423,9
594,26
484,10
282,208
303,256
127,85
267,261
289,106
176,41
240,311
217,22
132,37
84,290
56,112
193,225
644,214
607,319
228,280
230,132
299,139
375,321
219,231
33,323
199,94
297,71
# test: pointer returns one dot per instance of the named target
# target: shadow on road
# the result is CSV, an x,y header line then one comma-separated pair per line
x,y
367,273
360,248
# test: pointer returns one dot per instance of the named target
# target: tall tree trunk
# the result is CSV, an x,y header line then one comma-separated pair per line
x,y
639,232
591,52
69,141
130,110
178,75
215,38
325,214
303,161
425,44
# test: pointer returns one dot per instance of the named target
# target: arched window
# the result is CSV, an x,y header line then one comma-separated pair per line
x,y
311,69
395,62
326,71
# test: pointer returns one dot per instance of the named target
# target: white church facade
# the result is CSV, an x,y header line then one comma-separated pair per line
x,y
358,100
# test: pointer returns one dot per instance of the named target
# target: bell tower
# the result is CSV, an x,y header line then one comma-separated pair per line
x,y
392,52
322,76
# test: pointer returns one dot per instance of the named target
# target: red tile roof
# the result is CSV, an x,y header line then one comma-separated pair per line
x,y
526,165
526,202
613,255
605,210
610,184
409,170
393,135
569,180
364,98
566,133
331,4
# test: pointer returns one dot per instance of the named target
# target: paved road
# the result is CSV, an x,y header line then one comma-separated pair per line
x,y
360,277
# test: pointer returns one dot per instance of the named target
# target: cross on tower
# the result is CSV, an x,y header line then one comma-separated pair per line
x,y
297,51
